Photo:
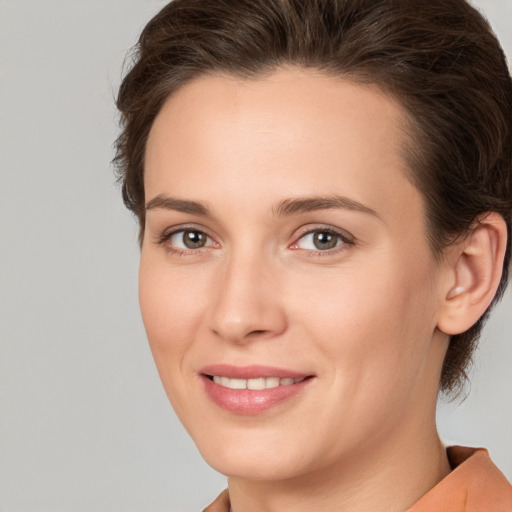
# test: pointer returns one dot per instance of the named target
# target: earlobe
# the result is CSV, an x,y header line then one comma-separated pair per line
x,y
476,270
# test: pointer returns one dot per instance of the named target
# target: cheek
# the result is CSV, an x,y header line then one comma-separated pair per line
x,y
171,311
374,331
374,324
171,307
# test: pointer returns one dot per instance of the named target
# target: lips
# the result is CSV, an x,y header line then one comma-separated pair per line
x,y
251,390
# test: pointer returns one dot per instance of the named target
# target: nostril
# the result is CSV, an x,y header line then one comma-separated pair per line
x,y
249,325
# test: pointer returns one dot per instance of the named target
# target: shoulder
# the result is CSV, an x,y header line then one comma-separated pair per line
x,y
474,485
221,504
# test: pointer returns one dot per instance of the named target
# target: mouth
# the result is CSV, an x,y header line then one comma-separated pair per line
x,y
252,390
256,384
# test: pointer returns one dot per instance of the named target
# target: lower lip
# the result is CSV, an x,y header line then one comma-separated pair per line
x,y
249,401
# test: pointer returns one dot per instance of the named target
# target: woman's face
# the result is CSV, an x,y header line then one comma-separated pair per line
x,y
285,249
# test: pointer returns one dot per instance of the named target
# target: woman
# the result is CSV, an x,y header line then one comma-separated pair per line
x,y
324,191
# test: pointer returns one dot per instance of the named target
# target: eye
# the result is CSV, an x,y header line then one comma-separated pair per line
x,y
189,239
320,240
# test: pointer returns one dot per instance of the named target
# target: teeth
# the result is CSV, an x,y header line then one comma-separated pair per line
x,y
237,384
255,384
272,382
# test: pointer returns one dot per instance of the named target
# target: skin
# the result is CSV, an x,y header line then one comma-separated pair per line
x,y
362,317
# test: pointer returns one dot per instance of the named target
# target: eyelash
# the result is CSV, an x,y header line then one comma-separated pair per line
x,y
162,240
346,241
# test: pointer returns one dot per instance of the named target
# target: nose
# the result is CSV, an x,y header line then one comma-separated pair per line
x,y
246,305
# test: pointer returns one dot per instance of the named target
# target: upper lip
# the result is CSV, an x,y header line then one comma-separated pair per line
x,y
250,372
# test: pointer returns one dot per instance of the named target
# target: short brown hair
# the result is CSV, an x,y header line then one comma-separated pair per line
x,y
439,58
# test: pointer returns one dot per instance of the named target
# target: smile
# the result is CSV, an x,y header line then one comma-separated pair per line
x,y
255,384
252,390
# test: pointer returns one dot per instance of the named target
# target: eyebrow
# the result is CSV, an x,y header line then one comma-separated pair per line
x,y
180,205
308,204
284,208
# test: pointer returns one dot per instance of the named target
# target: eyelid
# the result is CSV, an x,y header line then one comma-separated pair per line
x,y
168,233
171,230
346,237
208,242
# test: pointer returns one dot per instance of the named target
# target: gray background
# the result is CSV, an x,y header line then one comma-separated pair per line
x,y
84,423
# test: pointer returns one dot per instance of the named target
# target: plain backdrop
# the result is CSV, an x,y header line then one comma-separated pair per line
x,y
84,423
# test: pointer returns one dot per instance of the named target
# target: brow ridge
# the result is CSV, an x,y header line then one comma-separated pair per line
x,y
307,204
284,208
180,205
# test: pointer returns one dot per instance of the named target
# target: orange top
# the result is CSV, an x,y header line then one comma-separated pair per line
x,y
475,485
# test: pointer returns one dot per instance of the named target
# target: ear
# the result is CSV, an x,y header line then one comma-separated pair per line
x,y
475,267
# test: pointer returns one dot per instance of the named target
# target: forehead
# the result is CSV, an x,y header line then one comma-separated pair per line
x,y
314,133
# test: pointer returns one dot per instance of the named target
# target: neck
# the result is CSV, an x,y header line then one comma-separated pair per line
x,y
390,478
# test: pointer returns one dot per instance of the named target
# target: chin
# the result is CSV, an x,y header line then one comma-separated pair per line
x,y
250,468
259,460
